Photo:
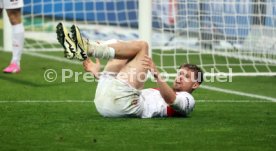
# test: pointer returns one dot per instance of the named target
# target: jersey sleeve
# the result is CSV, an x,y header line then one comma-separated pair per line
x,y
184,103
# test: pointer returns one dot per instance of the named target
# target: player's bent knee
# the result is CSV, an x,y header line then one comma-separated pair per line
x,y
145,46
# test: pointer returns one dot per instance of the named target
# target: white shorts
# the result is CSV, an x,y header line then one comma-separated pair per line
x,y
116,98
11,4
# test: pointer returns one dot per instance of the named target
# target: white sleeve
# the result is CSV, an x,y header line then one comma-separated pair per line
x,y
184,103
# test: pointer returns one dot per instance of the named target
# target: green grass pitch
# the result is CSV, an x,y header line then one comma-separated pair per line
x,y
37,115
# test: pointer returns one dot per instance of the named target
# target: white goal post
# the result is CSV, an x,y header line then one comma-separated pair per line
x,y
7,32
145,21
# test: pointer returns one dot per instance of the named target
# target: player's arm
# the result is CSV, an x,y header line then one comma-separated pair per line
x,y
93,67
166,91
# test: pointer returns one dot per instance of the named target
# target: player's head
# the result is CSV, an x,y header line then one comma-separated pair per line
x,y
188,78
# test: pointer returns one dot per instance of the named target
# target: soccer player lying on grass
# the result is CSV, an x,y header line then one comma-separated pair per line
x,y
120,90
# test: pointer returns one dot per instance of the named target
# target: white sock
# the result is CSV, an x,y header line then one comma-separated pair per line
x,y
17,42
101,51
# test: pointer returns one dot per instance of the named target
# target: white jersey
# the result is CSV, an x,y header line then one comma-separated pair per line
x,y
11,4
155,106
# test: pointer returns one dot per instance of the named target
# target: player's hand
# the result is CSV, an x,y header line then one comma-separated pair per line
x,y
93,67
150,65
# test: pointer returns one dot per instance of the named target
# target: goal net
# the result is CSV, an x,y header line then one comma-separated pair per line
x,y
231,36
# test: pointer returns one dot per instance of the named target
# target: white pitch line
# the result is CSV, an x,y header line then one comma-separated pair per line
x,y
59,59
47,101
85,101
239,93
204,87
232,101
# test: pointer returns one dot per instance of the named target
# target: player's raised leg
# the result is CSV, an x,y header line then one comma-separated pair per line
x,y
125,58
85,46
130,69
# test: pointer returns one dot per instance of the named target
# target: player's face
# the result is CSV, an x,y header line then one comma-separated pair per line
x,y
185,81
